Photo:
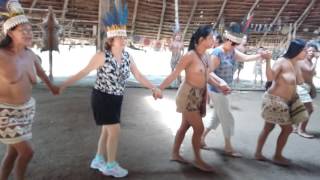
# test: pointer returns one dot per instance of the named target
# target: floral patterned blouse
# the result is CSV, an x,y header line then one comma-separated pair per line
x,y
112,76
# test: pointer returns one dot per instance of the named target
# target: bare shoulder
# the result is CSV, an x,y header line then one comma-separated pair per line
x,y
281,61
99,54
189,55
98,57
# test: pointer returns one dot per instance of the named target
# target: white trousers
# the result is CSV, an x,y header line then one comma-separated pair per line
x,y
222,114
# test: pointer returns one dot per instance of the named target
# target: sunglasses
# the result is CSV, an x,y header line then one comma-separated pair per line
x,y
234,44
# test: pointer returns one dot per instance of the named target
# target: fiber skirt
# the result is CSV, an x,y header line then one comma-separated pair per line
x,y
276,110
16,122
106,107
190,99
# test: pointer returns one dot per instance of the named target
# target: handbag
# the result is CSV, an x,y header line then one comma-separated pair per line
x,y
298,112
203,106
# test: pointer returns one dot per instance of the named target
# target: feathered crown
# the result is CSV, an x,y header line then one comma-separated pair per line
x,y
13,16
116,20
234,33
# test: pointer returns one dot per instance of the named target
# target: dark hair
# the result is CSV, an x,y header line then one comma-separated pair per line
x,y
201,32
312,45
7,40
295,47
219,38
108,44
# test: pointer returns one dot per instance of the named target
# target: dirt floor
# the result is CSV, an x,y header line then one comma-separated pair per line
x,y
65,138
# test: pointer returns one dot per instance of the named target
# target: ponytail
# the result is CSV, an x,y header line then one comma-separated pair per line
x,y
201,32
192,44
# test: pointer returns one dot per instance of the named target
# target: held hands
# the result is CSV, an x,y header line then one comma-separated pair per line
x,y
266,55
55,90
224,88
157,93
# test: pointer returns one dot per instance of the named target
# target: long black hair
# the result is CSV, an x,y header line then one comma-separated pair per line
x,y
202,31
295,47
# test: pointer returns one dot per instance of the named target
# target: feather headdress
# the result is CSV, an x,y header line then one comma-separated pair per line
x,y
234,33
116,20
13,16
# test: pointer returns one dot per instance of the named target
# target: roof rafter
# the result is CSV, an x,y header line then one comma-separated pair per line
x,y
220,13
254,5
304,15
274,21
34,2
65,9
195,3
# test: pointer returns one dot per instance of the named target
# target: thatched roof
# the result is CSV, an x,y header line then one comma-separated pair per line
x,y
80,18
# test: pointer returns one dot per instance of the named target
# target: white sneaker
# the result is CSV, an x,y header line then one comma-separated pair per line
x,y
116,171
97,164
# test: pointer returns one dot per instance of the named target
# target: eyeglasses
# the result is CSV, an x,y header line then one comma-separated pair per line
x,y
233,43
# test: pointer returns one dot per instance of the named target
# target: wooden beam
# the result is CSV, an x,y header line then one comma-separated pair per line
x,y
195,3
34,2
133,24
104,6
220,13
41,10
274,21
303,16
164,5
65,9
66,20
254,5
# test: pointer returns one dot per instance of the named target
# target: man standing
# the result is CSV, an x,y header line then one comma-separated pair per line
x,y
307,90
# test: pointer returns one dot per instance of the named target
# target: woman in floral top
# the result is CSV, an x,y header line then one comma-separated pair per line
x,y
113,69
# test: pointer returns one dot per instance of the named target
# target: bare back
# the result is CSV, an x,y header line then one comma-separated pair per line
x,y
285,81
196,71
17,75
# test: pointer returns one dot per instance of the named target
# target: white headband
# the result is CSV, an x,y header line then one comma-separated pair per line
x,y
233,37
117,32
14,21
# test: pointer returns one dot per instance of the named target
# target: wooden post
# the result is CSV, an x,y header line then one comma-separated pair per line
x,y
50,65
176,15
164,5
65,9
104,6
133,24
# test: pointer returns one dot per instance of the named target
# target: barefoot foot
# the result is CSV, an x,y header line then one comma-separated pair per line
x,y
282,161
179,159
260,157
203,166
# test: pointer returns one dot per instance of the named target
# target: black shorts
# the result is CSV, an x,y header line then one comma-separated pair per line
x,y
106,107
